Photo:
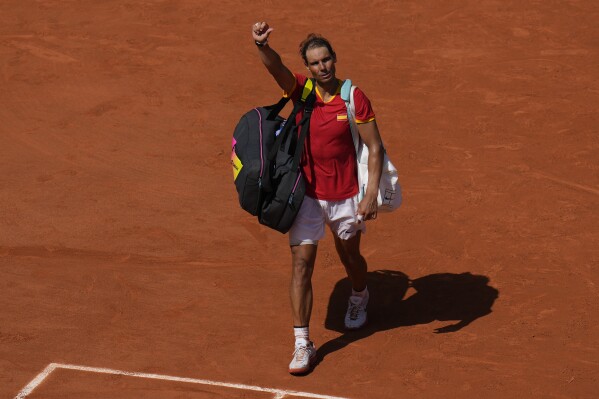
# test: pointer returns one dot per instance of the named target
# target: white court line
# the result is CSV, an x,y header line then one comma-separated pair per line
x,y
36,381
278,393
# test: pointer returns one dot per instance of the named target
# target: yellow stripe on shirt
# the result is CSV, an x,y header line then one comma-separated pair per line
x,y
359,122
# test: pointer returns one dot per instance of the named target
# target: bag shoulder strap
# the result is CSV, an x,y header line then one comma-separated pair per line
x,y
347,95
306,100
308,88
305,124
346,90
275,109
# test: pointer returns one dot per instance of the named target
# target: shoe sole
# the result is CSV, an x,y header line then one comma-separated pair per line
x,y
305,370
357,328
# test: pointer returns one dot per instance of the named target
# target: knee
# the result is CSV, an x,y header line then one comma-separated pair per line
x,y
301,269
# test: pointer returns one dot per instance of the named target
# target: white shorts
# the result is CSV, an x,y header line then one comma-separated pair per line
x,y
340,216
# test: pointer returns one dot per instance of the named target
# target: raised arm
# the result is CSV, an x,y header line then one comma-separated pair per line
x,y
270,58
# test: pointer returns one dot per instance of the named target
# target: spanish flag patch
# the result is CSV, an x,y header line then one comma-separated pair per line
x,y
342,117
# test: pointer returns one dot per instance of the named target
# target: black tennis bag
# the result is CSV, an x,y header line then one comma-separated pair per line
x,y
265,158
253,138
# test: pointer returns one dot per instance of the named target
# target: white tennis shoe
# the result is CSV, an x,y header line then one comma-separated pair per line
x,y
304,358
356,315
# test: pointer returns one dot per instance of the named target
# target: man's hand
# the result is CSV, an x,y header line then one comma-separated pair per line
x,y
261,31
368,207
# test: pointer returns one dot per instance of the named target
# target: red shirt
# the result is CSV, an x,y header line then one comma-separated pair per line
x,y
329,158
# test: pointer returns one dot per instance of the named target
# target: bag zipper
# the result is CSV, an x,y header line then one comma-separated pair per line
x,y
261,146
294,187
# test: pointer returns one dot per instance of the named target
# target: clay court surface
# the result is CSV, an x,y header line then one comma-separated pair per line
x,y
122,245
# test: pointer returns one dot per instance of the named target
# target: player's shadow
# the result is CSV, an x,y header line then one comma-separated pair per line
x,y
459,298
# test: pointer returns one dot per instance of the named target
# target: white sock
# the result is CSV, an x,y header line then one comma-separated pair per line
x,y
302,335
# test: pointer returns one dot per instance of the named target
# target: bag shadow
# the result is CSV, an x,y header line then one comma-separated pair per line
x,y
458,298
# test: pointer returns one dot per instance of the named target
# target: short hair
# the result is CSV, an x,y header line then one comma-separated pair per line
x,y
314,40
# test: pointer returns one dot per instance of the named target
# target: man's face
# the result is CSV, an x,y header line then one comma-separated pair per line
x,y
321,64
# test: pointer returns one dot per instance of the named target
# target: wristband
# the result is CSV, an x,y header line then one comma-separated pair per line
x,y
261,44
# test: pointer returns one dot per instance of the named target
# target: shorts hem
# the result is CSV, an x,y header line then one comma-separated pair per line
x,y
296,243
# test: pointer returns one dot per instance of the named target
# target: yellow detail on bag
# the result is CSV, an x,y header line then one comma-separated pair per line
x,y
237,165
307,89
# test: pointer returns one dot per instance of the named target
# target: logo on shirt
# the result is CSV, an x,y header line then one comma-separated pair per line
x,y
341,117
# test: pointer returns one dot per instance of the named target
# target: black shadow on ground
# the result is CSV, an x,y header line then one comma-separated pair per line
x,y
459,298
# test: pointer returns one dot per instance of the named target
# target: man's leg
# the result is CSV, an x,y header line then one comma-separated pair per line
x,y
357,270
307,229
353,261
300,290
303,258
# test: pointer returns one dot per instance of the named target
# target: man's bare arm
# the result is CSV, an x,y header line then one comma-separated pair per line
x,y
271,59
369,133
